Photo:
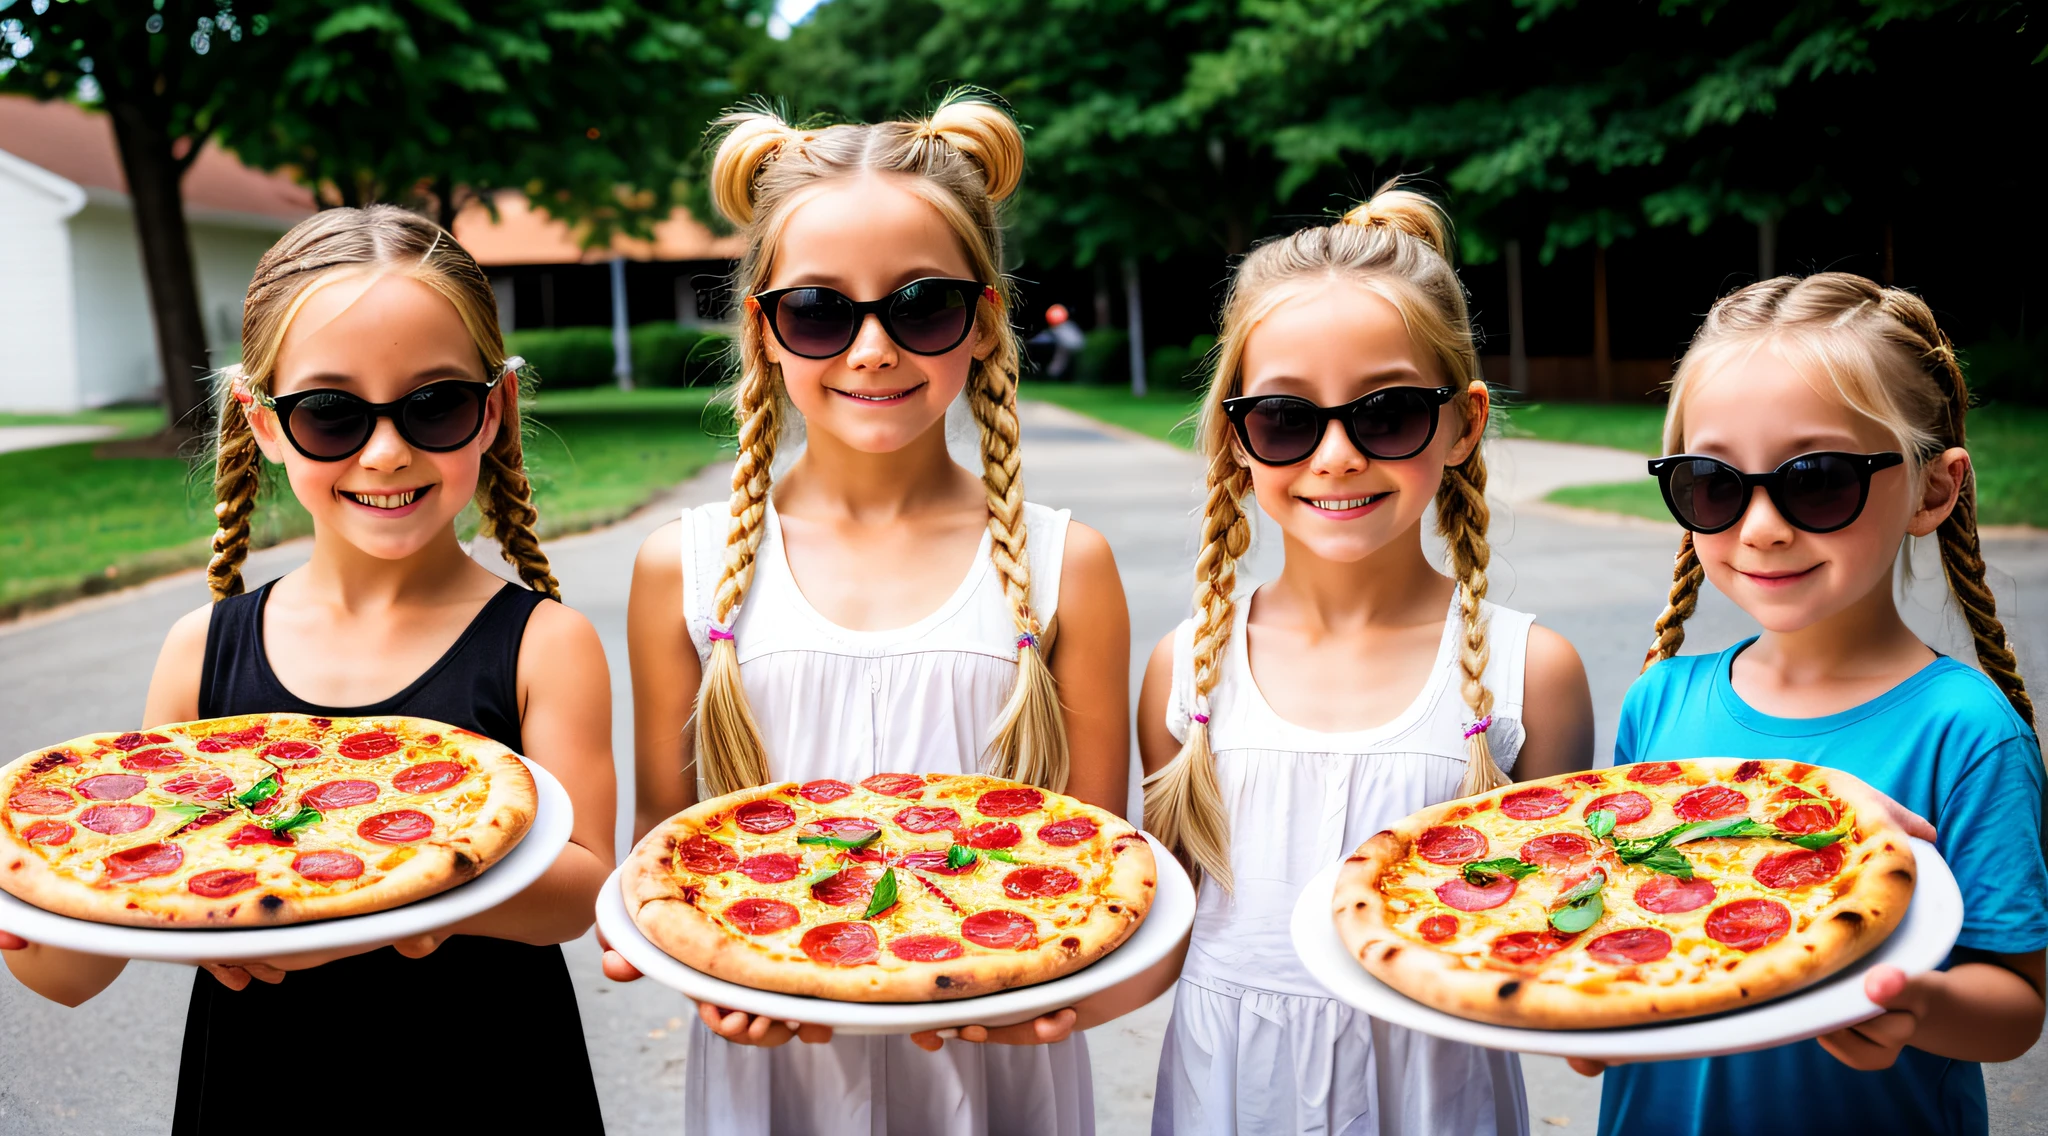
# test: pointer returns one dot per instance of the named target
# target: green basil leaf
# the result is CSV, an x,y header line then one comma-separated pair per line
x,y
999,854
298,820
1815,841
1580,915
1735,826
1600,822
1479,873
959,856
260,792
1589,886
885,895
182,814
819,876
1669,861
836,842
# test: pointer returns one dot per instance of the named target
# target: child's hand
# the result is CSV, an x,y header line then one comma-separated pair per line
x,y
1590,1066
1912,822
236,976
12,942
1045,1030
615,965
1875,1044
742,1028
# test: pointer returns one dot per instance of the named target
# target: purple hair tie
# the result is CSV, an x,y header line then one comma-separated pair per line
x,y
1202,719
720,631
1479,727
1026,640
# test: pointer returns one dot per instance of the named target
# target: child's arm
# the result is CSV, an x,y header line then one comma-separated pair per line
x,y
1091,658
666,674
1987,1007
1557,709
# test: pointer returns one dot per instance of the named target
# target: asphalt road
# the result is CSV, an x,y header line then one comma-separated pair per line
x,y
110,1065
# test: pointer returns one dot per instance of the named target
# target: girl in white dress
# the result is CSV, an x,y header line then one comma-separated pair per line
x,y
887,610
1282,727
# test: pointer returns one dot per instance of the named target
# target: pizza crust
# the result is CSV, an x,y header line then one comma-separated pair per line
x,y
1838,934
671,919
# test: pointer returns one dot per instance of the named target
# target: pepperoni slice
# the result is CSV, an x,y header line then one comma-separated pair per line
x,y
841,944
1523,948
370,746
1655,772
1816,817
237,739
203,784
206,820
1747,924
400,827
1636,944
1067,833
842,828
253,834
1784,871
143,862
922,818
1039,883
152,760
1557,850
771,868
1451,844
42,801
47,832
1471,897
327,866
894,784
1010,802
764,816
1535,804
705,856
1669,895
127,742
845,889
926,948
1711,802
1000,930
1627,808
337,794
221,884
933,861
763,916
1748,770
428,777
52,760
289,751
1438,928
823,792
991,834
116,820
112,786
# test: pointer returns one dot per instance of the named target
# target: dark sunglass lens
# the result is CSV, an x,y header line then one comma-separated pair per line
x,y
443,416
1819,492
1392,424
1706,494
330,424
1281,430
815,322
930,318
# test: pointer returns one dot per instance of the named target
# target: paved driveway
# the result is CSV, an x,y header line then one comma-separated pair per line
x,y
109,1066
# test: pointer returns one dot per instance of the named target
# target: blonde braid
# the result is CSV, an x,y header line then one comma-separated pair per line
x,y
237,476
729,743
505,498
1030,741
1184,805
1461,518
1686,575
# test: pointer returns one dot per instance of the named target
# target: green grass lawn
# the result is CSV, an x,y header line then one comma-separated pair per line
x,y
1163,414
72,523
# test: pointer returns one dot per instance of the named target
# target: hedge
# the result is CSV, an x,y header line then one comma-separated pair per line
x,y
664,355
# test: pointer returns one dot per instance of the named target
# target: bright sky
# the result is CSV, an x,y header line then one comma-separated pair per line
x,y
788,13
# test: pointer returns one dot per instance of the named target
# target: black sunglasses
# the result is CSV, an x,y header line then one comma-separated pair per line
x,y
331,425
925,317
1817,493
1389,424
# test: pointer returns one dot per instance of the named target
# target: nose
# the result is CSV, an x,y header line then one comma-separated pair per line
x,y
386,449
1335,454
1762,525
872,348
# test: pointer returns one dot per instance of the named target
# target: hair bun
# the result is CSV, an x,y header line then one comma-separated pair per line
x,y
1405,211
752,139
987,135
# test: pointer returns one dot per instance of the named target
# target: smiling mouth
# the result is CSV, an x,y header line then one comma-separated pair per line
x,y
1341,504
885,396
385,500
1780,577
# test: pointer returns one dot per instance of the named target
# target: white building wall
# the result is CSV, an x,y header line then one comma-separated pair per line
x,y
117,340
224,256
38,369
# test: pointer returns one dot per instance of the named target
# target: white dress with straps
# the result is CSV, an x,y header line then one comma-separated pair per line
x,y
849,704
1255,1045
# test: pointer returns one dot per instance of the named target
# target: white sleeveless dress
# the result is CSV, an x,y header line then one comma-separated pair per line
x,y
849,704
1256,1046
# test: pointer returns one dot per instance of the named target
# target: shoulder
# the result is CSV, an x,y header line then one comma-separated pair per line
x,y
1087,556
188,635
661,556
560,641
1969,697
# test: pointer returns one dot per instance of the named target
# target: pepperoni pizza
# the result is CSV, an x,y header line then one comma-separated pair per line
x,y
258,820
904,888
1628,895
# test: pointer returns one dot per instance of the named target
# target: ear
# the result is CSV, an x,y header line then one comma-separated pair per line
x,y
769,343
504,396
269,439
985,335
1941,486
1480,400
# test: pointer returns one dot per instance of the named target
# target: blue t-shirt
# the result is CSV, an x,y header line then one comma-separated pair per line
x,y
1946,744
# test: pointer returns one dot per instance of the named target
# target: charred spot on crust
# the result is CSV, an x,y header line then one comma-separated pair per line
x,y
465,864
667,863
690,894
1510,988
1359,906
1070,943
1744,990
270,903
1389,953
1853,918
942,982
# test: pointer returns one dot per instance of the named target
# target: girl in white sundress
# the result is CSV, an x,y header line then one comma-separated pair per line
x,y
1282,726
887,611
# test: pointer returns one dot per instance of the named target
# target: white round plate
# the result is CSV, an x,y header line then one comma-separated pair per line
x,y
1919,943
1173,912
528,861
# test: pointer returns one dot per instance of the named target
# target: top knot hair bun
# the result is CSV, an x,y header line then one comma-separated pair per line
x,y
987,135
752,140
1405,211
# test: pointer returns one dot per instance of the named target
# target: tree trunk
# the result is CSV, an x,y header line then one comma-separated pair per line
x,y
1134,302
1767,248
154,189
444,203
1104,317
622,339
1603,360
1518,343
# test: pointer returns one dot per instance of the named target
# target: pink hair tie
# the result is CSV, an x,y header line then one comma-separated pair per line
x,y
1479,727
1202,719
1026,640
720,631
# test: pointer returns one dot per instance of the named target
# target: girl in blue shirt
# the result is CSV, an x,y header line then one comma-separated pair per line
x,y
1848,400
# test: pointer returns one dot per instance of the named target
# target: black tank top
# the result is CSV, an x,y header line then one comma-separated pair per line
x,y
481,1029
